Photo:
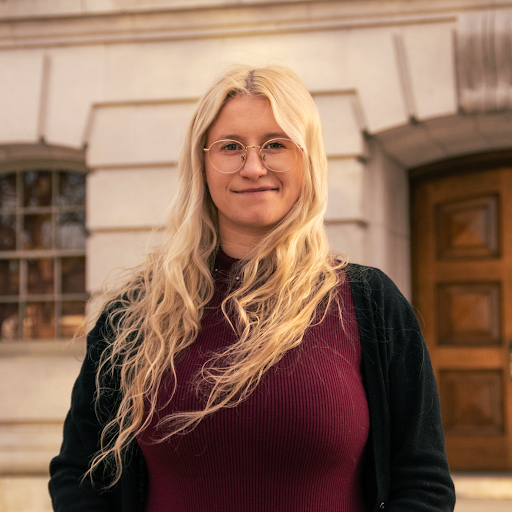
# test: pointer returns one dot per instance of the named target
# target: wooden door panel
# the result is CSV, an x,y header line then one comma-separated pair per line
x,y
462,270
468,228
468,313
486,454
475,358
462,288
472,402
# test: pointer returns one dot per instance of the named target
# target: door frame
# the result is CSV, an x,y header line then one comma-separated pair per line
x,y
480,162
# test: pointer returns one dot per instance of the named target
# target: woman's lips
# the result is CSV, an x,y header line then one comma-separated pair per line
x,y
255,190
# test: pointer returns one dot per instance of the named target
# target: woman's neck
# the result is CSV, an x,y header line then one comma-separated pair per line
x,y
239,244
239,249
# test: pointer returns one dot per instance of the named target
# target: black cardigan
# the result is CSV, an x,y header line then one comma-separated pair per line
x,y
407,468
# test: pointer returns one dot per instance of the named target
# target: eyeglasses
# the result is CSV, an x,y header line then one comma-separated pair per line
x,y
229,156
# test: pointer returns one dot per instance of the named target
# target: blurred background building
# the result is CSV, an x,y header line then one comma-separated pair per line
x,y
416,102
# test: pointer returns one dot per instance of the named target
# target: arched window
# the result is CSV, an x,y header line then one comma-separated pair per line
x,y
42,243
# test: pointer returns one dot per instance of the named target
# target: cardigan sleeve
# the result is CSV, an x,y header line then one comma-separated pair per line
x,y
69,489
410,463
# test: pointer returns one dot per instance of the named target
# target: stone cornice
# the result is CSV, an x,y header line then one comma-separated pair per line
x,y
224,19
13,156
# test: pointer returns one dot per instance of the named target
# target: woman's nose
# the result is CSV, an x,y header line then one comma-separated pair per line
x,y
253,167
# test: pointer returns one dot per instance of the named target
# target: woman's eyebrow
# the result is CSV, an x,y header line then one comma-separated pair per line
x,y
273,135
231,136
264,137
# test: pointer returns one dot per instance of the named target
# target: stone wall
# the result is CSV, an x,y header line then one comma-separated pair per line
x,y
121,78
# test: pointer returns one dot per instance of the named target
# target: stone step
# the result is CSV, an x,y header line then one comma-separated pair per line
x,y
483,486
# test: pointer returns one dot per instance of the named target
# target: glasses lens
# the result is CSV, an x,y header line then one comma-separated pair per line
x,y
280,155
227,156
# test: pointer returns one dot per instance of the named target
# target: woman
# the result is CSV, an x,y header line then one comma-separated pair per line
x,y
243,367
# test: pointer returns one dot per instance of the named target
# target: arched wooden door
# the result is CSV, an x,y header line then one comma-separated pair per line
x,y
462,288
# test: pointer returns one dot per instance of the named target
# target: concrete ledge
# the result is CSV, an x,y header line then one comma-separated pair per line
x,y
21,463
483,486
24,494
465,505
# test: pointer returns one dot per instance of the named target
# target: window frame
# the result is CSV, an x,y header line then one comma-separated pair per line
x,y
17,158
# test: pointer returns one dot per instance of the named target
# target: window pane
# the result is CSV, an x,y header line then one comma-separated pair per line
x,y
47,227
73,314
9,277
37,188
7,232
40,276
71,230
71,189
9,322
8,191
39,321
73,275
37,231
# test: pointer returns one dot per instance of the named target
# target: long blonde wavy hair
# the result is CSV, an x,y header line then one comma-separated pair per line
x,y
288,280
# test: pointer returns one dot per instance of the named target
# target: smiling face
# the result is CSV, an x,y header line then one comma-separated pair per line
x,y
251,201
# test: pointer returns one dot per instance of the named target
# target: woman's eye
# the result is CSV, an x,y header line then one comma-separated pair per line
x,y
232,146
275,144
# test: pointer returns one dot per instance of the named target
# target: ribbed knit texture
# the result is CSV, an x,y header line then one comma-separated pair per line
x,y
296,444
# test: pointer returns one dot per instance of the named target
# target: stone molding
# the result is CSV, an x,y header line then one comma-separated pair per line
x,y
421,143
224,19
462,164
483,54
14,156
31,9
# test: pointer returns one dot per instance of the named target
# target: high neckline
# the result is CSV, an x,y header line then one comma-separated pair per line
x,y
223,261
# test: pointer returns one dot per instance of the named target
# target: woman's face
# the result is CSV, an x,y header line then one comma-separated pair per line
x,y
254,199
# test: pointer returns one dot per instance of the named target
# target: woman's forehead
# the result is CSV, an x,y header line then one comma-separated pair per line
x,y
245,117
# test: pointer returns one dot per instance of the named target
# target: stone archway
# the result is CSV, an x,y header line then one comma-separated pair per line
x,y
391,156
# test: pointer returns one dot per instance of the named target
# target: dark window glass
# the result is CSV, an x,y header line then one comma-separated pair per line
x,y
37,188
73,275
72,317
71,230
7,191
9,277
71,189
40,277
9,322
37,231
39,321
7,232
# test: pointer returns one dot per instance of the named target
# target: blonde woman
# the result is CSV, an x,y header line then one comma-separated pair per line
x,y
243,367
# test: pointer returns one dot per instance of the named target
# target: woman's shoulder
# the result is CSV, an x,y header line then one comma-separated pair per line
x,y
110,313
372,289
369,278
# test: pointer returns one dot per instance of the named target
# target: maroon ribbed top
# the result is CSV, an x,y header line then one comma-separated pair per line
x,y
296,444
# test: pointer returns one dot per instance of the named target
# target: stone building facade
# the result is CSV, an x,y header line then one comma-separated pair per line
x,y
95,95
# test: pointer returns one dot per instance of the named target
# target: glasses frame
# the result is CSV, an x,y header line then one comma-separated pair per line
x,y
244,156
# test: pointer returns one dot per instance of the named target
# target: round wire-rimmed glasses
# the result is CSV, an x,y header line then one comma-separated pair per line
x,y
228,156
